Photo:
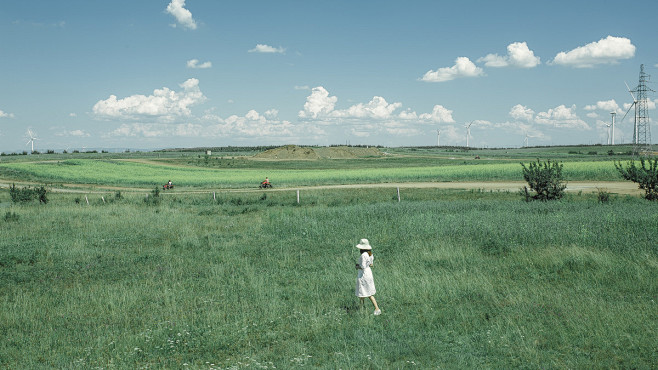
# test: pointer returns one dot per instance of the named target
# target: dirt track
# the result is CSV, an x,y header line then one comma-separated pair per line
x,y
615,187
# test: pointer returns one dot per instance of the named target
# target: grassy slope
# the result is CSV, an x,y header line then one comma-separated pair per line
x,y
464,280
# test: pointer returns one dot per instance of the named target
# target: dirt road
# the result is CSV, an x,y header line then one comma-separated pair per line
x,y
614,187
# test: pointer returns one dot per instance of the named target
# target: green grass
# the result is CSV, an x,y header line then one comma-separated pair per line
x,y
465,279
113,172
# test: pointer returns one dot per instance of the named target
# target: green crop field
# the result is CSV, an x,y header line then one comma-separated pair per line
x,y
117,172
465,278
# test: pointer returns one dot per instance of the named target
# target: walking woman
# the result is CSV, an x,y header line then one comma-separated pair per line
x,y
365,284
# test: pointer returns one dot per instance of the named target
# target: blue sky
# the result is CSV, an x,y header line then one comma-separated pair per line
x,y
186,73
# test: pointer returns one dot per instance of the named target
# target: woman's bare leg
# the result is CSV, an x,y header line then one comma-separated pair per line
x,y
374,302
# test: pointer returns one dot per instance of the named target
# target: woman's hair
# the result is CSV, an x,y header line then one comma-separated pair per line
x,y
365,250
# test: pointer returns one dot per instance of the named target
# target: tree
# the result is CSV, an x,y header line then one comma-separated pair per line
x,y
646,175
545,179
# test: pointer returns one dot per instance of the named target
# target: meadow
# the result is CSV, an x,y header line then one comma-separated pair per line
x,y
465,279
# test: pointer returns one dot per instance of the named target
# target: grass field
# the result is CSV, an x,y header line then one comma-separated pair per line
x,y
118,172
465,279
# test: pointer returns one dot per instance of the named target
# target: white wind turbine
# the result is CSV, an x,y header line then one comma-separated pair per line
x,y
608,126
468,132
32,137
613,114
438,137
629,109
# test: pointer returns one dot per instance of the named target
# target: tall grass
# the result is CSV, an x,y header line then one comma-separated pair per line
x,y
257,280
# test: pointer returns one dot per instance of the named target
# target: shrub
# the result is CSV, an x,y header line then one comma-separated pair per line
x,y
11,216
603,196
24,195
154,198
646,175
545,179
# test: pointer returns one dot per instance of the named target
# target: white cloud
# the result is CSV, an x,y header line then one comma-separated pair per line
x,y
262,48
6,115
463,68
194,63
318,103
606,105
73,115
377,108
518,55
164,105
439,114
304,87
152,130
605,51
562,117
182,15
252,124
520,112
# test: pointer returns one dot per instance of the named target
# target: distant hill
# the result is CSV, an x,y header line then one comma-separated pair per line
x,y
311,153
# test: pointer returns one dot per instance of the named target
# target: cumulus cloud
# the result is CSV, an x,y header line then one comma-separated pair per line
x,y
6,115
562,117
154,130
163,105
182,15
606,105
605,51
463,68
194,63
318,103
520,112
439,114
377,108
262,48
518,55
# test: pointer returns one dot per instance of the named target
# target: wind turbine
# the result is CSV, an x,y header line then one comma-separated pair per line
x,y
613,114
32,137
525,139
468,132
438,137
629,109
608,126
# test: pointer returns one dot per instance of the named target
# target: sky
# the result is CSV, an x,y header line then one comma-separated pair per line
x,y
194,73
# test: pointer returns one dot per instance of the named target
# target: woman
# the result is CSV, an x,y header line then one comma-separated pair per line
x,y
365,284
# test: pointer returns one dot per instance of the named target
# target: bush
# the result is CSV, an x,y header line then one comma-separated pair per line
x,y
646,176
154,198
603,196
545,179
24,195
11,216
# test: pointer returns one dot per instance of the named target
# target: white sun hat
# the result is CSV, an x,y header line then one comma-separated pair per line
x,y
364,244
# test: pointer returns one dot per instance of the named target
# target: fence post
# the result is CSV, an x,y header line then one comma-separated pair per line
x,y
297,196
213,196
398,194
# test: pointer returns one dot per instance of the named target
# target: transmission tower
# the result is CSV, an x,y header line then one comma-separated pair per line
x,y
642,126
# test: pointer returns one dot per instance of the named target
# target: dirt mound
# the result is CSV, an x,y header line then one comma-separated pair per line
x,y
338,152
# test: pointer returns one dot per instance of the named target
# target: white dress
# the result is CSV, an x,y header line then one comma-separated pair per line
x,y
365,284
